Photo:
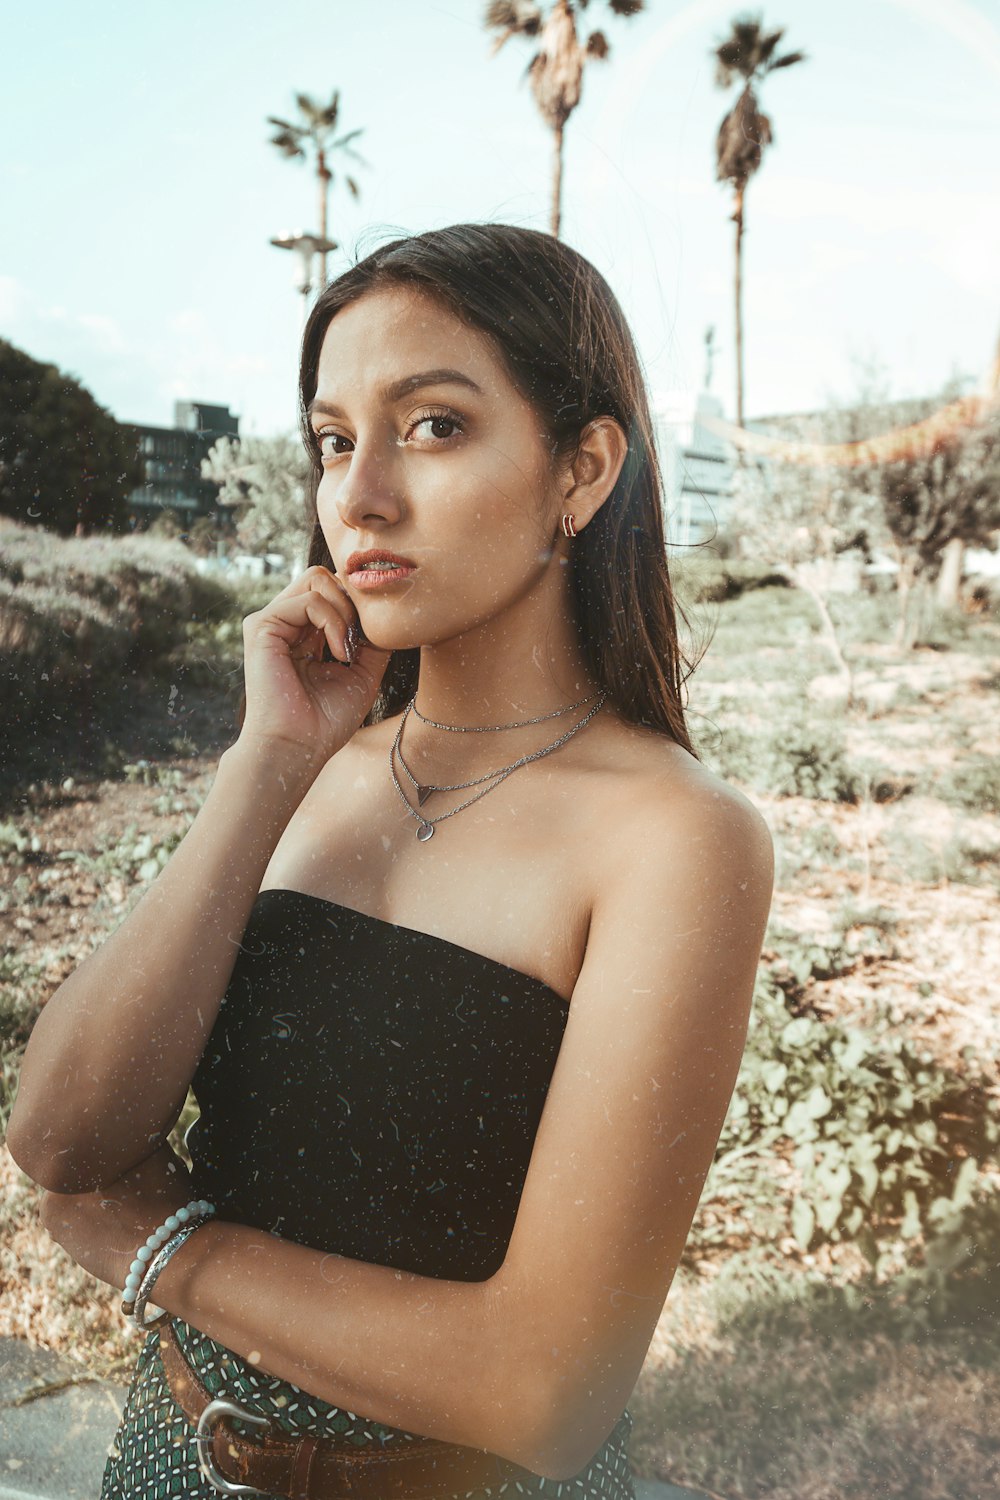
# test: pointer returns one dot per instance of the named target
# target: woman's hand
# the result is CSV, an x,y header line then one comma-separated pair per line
x,y
293,696
101,1231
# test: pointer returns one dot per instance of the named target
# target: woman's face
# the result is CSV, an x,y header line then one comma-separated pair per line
x,y
431,455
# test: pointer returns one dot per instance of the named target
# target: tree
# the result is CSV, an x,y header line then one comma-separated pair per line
x,y
799,518
266,480
556,69
314,133
912,477
946,491
747,53
65,463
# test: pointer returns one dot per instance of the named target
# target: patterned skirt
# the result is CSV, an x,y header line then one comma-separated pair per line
x,y
153,1456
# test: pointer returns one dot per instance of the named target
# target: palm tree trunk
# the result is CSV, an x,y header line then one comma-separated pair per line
x,y
557,182
738,220
323,175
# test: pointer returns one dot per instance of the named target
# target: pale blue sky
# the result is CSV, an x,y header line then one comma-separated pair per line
x,y
138,191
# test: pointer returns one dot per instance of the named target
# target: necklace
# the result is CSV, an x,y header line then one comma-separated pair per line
x,y
426,826
424,789
496,728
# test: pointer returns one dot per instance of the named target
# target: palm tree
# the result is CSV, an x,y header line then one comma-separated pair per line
x,y
556,69
747,53
315,132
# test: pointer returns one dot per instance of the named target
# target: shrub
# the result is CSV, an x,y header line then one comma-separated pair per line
x,y
709,580
789,759
883,1143
76,614
973,783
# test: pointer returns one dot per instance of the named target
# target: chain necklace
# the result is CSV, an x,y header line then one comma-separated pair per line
x,y
426,826
496,728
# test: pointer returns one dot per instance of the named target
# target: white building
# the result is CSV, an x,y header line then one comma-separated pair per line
x,y
697,466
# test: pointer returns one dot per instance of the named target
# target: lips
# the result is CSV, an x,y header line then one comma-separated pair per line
x,y
375,567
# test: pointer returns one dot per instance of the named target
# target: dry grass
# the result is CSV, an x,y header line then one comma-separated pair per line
x,y
801,1406
44,1295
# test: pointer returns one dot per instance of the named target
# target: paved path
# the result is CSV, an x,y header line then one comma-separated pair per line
x,y
55,1447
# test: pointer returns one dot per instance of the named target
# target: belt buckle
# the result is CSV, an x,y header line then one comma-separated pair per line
x,y
204,1439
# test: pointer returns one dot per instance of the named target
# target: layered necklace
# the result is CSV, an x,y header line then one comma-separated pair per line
x,y
424,789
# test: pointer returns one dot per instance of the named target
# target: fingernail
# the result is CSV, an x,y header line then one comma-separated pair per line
x,y
352,641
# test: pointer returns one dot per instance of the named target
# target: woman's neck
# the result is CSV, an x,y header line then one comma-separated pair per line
x,y
499,675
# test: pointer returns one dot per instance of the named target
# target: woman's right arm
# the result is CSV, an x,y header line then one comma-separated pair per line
x,y
108,1064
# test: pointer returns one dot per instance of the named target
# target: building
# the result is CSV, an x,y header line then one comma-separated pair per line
x,y
172,459
697,466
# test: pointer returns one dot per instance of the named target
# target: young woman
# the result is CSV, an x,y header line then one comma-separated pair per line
x,y
458,953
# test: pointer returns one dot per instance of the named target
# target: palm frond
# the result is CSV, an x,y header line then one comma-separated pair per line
x,y
597,45
626,7
282,124
345,139
287,142
513,18
788,59
767,44
352,185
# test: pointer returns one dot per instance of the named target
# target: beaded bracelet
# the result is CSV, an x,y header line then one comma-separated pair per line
x,y
139,1277
156,1265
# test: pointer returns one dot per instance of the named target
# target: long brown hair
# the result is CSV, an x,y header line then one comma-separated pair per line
x,y
564,341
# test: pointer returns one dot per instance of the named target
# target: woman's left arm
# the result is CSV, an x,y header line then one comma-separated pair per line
x,y
537,1363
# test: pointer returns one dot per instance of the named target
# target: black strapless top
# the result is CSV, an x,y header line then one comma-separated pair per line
x,y
373,1091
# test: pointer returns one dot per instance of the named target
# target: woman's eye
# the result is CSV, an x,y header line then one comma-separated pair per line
x,y
435,421
326,439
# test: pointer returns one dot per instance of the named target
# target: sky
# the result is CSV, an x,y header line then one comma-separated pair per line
x,y
138,190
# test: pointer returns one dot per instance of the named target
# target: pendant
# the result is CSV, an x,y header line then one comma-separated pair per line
x,y
423,792
425,832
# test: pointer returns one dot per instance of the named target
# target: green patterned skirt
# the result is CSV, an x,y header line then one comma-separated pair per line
x,y
153,1456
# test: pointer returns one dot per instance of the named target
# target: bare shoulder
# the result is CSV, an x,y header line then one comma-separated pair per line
x,y
673,823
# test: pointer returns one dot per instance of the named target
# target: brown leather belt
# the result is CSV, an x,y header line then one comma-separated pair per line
x,y
310,1468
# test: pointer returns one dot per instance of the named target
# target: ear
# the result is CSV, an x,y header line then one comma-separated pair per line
x,y
594,470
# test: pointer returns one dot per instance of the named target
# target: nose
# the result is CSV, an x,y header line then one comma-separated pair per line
x,y
366,496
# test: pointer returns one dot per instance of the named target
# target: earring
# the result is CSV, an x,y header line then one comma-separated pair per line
x,y
568,524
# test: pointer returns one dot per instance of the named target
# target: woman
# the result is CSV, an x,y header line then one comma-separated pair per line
x,y
459,951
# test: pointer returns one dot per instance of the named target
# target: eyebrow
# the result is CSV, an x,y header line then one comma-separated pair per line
x,y
403,387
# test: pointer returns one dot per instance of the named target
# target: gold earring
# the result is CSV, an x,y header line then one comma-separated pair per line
x,y
568,524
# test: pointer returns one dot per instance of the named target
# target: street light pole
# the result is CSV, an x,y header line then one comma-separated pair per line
x,y
307,246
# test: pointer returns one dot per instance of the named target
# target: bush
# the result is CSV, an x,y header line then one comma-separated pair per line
x,y
789,759
884,1144
77,614
711,580
973,783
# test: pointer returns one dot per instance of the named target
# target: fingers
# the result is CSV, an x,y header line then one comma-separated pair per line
x,y
312,608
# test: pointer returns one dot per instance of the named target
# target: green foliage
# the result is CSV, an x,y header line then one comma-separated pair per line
x,y
20,1003
882,1142
957,1276
64,460
967,856
791,758
711,580
77,615
134,857
973,783
266,480
19,982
